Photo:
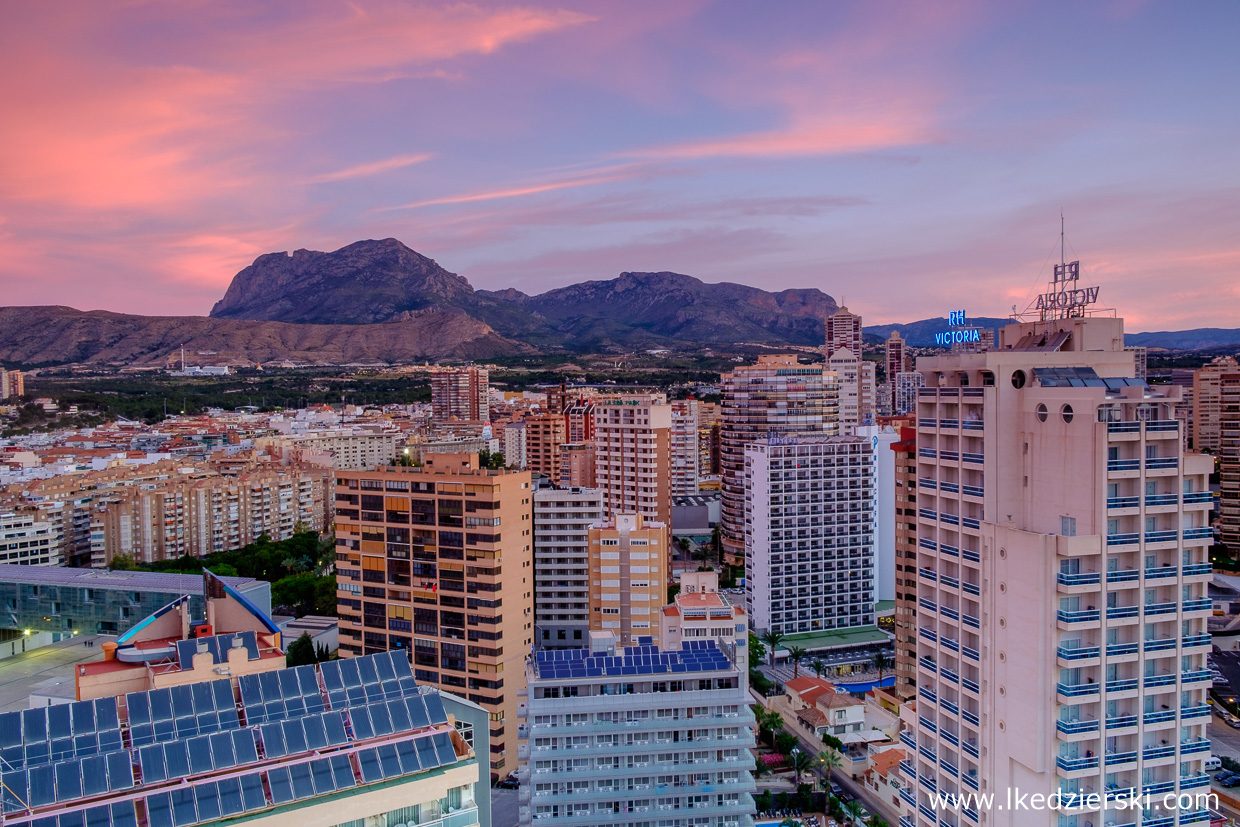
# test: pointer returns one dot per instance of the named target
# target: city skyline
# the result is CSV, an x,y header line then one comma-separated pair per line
x,y
888,157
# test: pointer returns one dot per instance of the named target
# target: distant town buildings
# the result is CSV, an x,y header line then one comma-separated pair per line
x,y
895,356
12,384
857,390
460,394
1208,400
843,332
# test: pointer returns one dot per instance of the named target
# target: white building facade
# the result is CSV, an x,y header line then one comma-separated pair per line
x,y
809,533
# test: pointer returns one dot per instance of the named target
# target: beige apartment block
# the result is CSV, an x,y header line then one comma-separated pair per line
x,y
1229,459
437,562
1207,402
1062,576
628,576
685,453
633,436
544,434
579,465
843,330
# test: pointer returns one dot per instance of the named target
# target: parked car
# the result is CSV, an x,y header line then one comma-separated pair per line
x,y
509,783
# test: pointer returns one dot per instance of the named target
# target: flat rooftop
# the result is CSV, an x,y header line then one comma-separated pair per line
x,y
836,638
134,581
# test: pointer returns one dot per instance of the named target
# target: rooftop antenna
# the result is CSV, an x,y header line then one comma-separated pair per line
x,y
1062,260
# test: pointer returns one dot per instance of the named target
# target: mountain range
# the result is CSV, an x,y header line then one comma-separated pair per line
x,y
380,301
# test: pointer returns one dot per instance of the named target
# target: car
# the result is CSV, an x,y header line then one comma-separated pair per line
x,y
1232,782
836,789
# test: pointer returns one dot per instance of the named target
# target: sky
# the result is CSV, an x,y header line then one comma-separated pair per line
x,y
906,158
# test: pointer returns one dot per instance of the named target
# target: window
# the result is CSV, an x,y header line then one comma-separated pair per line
x,y
1041,411
1067,526
1066,413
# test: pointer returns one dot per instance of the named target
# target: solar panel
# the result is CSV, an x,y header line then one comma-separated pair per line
x,y
176,759
389,761
123,814
368,763
303,783
13,794
231,803
434,708
207,801
71,819
199,750
243,746
120,771
280,784
333,722
362,727
184,812
252,794
294,737
407,751
443,748
151,763
222,755
273,740
316,732
94,775
100,816
426,753
342,772
321,772
68,780
159,810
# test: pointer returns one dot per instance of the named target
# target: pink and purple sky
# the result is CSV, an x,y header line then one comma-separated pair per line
x,y
909,158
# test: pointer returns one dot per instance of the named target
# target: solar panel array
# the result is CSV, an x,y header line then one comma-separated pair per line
x,y
285,713
218,646
40,736
181,711
695,656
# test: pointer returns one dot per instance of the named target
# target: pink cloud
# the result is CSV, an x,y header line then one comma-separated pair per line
x,y
613,174
373,168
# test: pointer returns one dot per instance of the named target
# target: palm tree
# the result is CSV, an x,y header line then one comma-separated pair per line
x,y
818,666
802,763
771,721
882,662
853,810
772,639
828,760
796,653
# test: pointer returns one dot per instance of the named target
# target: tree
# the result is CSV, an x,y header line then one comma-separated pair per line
x,y
853,810
882,663
802,763
124,561
716,542
795,653
772,639
770,722
829,760
763,801
756,650
818,667
300,652
784,742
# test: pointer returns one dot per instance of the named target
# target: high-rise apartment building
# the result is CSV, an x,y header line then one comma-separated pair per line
x,y
1140,359
881,438
579,465
12,384
633,436
462,394
700,612
562,520
809,538
843,331
685,453
895,356
544,434
579,422
857,392
776,395
628,576
904,391
198,514
1184,379
514,444
636,736
1062,576
905,452
337,448
26,540
1207,401
437,562
1229,460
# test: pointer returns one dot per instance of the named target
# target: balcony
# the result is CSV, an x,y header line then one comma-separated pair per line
x,y
1162,572
1123,427
1159,609
1083,653
1085,578
1115,650
1203,604
1123,576
1159,645
1169,536
1130,539
1120,612
1203,533
1124,685
1123,722
1117,760
1123,465
1070,764
1152,681
1076,727
1115,503
1156,500
976,459
1198,676
1198,569
1162,463
1153,752
1198,497
1079,616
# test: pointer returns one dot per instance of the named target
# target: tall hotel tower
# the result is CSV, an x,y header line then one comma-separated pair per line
x,y
1062,572
777,395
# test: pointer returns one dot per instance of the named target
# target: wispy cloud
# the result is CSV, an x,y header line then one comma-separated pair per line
x,y
618,173
374,168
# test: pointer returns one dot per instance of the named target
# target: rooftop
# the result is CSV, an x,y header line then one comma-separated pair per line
x,y
836,638
696,656
135,581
